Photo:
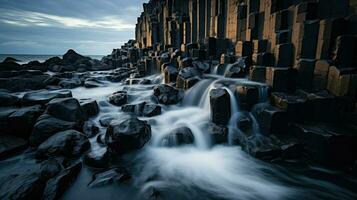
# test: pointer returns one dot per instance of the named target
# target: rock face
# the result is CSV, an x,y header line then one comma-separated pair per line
x,y
127,135
73,58
167,94
43,97
220,106
69,143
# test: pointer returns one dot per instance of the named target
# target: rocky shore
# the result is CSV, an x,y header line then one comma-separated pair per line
x,y
278,100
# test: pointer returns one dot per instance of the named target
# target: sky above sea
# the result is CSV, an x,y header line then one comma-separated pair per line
x,y
51,27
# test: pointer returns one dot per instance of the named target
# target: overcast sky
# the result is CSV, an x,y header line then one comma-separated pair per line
x,y
91,27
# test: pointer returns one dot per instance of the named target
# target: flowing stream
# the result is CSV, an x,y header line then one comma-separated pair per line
x,y
200,171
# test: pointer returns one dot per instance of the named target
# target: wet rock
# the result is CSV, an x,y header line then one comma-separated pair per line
x,y
151,110
4,122
170,74
50,168
36,65
292,150
294,104
70,83
10,59
119,98
145,82
167,94
46,126
236,70
10,64
24,119
24,82
220,106
8,99
185,74
177,137
67,109
99,158
57,186
116,175
92,83
68,143
90,129
127,135
73,58
106,119
89,107
219,133
10,145
244,123
53,61
202,66
329,144
25,186
43,97
248,96
271,120
53,80
260,147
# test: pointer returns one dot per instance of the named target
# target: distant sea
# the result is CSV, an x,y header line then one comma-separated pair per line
x,y
25,58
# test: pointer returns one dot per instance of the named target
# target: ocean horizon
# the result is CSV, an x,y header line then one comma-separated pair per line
x,y
25,58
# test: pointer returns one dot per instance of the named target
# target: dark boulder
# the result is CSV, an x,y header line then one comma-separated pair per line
x,y
43,97
127,135
36,65
53,80
10,145
67,109
100,158
57,186
53,61
184,75
151,110
170,74
89,107
90,129
116,175
23,120
25,186
179,136
10,64
220,106
68,143
46,126
70,83
10,59
8,99
218,133
24,82
167,94
119,98
73,58
50,168
244,122
236,70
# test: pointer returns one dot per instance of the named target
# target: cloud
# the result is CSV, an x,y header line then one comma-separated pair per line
x,y
30,18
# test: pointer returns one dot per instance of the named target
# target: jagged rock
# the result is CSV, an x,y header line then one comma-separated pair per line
x,y
75,59
46,126
25,186
8,99
119,98
43,97
100,158
178,136
167,94
68,143
116,175
10,145
67,109
90,129
220,106
219,133
89,107
56,187
127,135
24,119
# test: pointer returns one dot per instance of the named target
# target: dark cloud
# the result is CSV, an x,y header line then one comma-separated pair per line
x,y
53,26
